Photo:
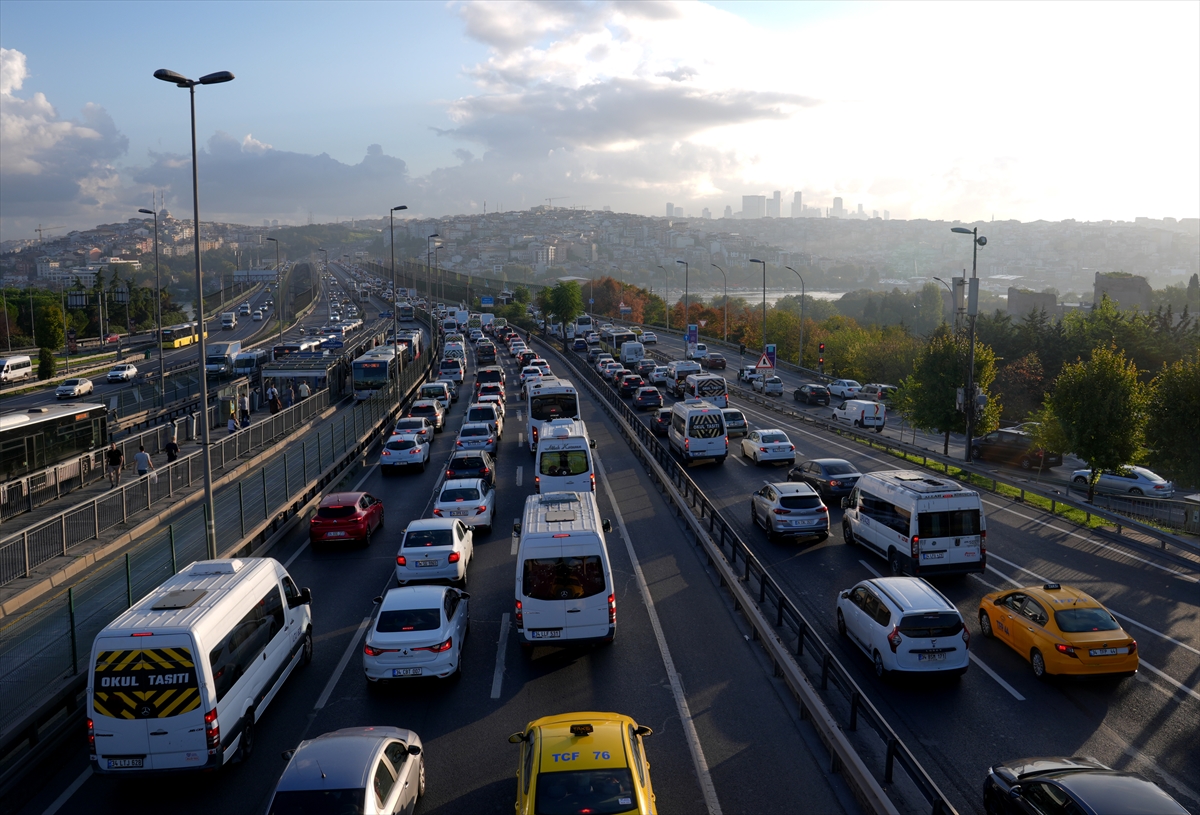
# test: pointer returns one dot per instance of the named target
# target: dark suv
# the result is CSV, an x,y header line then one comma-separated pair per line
x,y
812,394
472,465
1013,447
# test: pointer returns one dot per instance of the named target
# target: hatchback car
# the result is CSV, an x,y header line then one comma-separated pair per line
x,y
830,477
579,344
346,516
365,770
583,762
416,425
1060,630
768,445
472,465
402,452
1013,447
811,394
593,354
768,386
904,624
490,389
122,373
1129,481
647,397
492,399
714,361
441,391
530,372
435,549
661,423
477,436
526,357
644,367
419,631
629,384
736,425
429,409
257,316
1071,785
789,510
472,500
876,392
845,388
71,388
486,412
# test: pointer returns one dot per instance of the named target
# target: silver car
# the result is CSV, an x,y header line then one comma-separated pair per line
x,y
768,445
770,386
72,388
790,509
368,770
1130,481
417,425
435,549
477,436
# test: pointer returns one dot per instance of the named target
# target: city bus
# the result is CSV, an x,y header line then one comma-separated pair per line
x,y
299,347
549,399
177,336
405,311
373,371
32,440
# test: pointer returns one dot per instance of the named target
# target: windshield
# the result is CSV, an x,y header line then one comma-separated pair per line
x,y
933,624
318,802
459,494
1076,620
557,406
408,619
561,463
772,438
421,538
336,512
603,792
563,578
800,501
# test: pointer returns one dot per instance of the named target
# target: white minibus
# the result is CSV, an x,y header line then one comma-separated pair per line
x,y
564,458
698,431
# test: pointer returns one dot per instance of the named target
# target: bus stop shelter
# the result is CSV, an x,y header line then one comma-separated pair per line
x,y
319,371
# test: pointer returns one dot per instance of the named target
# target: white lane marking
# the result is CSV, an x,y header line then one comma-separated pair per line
x,y
501,643
521,439
1144,664
739,459
870,568
520,475
287,563
712,804
341,666
69,791
991,586
996,676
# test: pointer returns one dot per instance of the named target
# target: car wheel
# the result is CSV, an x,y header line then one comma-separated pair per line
x,y
894,561
841,623
421,779
848,534
1136,491
1038,663
880,670
1026,463
753,515
976,453
985,625
306,650
246,748
1080,480
367,537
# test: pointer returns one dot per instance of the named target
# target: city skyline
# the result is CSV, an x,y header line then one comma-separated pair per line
x,y
593,105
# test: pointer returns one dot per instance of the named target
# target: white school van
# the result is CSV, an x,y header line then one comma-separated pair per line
x,y
564,458
564,588
698,431
178,681
921,524
709,387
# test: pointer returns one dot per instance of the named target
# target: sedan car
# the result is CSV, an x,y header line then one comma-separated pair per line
x,y
366,770
811,394
516,348
435,549
429,409
768,386
714,361
346,516
1129,481
661,423
403,451
1013,447
629,384
790,510
71,388
649,338
122,373
496,399
257,316
768,445
660,375
736,425
472,465
477,436
830,477
845,388
530,372
1071,785
419,632
419,426
472,500
1060,630
490,389
647,397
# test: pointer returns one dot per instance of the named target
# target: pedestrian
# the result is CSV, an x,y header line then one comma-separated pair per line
x,y
273,399
303,390
289,396
246,422
116,461
142,460
244,401
171,448
233,425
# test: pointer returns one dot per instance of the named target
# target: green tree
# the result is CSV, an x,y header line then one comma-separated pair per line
x,y
1101,406
46,363
1022,384
1172,421
566,301
50,333
521,294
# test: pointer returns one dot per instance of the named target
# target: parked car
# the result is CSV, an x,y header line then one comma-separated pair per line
x,y
472,464
789,510
71,388
661,423
399,451
471,500
736,425
844,388
768,445
435,549
878,393
1013,447
1129,481
768,386
811,394
346,516
830,477
713,361
1074,785
122,373
647,397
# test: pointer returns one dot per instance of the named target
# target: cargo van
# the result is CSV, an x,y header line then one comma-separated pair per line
x,y
178,681
14,369
921,524
250,362
228,321
632,353
709,387
564,458
698,431
564,585
862,413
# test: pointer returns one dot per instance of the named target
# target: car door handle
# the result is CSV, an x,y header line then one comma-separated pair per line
x,y
574,610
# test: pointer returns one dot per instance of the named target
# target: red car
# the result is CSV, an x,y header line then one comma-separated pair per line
x,y
346,516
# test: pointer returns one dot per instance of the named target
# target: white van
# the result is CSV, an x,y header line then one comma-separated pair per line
x,y
921,524
632,353
178,681
564,588
709,387
698,431
862,413
677,373
564,458
228,321
14,369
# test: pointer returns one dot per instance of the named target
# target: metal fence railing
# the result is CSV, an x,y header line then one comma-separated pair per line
x,y
808,649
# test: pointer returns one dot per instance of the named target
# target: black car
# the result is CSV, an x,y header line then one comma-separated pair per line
x,y
629,384
830,477
1013,447
526,357
812,394
1078,785
644,367
485,353
661,423
647,397
472,464
489,374
713,361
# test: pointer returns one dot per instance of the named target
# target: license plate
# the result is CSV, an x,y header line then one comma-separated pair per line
x,y
135,763
932,555
931,657
459,512
407,671
547,634
335,534
425,563
1103,652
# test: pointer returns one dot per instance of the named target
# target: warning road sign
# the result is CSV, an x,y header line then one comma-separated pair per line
x,y
764,364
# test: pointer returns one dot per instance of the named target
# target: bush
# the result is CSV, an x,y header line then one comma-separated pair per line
x,y
46,363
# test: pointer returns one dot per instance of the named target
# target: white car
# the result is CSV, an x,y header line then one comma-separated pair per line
x,y
486,412
418,632
516,348
71,388
435,549
768,386
659,376
470,500
649,338
1130,481
477,436
122,373
845,388
530,372
542,365
404,450
414,425
768,445
258,315
602,361
492,399
593,338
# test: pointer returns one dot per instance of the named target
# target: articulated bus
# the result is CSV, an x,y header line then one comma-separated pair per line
x,y
177,336
300,347
34,439
549,399
372,372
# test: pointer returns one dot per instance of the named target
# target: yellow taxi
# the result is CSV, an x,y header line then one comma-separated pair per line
x,y
578,763
1060,630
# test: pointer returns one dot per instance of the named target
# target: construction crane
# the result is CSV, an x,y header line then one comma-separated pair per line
x,y
40,229
550,201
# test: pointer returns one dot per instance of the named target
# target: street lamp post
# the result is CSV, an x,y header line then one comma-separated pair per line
x,y
206,453
725,327
800,353
395,316
438,271
162,370
429,274
686,317
950,291
316,278
279,290
977,241
7,327
667,297
764,305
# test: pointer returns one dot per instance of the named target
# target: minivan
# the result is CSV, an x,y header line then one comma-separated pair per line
x,y
862,413
564,458
564,585
698,431
14,369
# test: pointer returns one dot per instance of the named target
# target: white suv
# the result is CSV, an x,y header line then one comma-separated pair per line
x,y
904,624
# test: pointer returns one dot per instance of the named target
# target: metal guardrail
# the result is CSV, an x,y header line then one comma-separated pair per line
x,y
805,645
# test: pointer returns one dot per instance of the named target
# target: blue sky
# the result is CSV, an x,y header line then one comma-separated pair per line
x,y
1023,111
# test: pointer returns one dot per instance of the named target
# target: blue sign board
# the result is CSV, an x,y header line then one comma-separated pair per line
x,y
770,352
332,344
487,301
693,333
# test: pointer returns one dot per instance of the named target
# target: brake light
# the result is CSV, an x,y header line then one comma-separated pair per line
x,y
687,444
454,557
520,616
440,647
459,443
401,560
212,731
916,546
372,651
1133,646
782,511
1069,650
480,510
612,609
385,453
593,482
983,545
894,639
437,513
91,736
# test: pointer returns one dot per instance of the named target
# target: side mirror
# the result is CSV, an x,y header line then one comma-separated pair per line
x,y
517,528
606,525
1014,791
516,738
845,595
464,595
377,600
644,731
846,502
286,755
414,750
305,596
592,443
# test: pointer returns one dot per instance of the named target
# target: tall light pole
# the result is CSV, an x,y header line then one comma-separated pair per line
x,y
949,291
438,271
725,327
800,353
162,369
279,290
764,306
206,453
395,310
7,327
316,278
667,297
62,293
977,241
429,274
687,319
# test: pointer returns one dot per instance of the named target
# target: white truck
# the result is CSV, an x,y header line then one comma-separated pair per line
x,y
228,321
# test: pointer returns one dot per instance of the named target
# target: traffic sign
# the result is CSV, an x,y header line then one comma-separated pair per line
x,y
332,344
769,353
764,364
487,301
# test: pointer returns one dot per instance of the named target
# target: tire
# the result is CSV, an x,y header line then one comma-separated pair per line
x,y
1136,491
1038,663
895,563
1080,480
848,534
421,780
1026,463
985,625
880,671
976,453
306,649
841,623
367,539
753,515
246,747
857,423
720,460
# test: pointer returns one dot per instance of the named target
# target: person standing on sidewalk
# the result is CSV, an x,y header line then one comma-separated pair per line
x,y
244,402
289,397
142,460
116,461
303,390
171,448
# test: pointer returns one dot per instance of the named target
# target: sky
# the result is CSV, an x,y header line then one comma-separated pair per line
x,y
963,111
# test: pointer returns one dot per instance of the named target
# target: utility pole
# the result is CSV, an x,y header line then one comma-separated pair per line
x,y
969,402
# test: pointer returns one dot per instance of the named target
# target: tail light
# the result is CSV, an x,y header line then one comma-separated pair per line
x,y
437,513
454,557
894,639
792,447
687,444
1069,650
593,482
480,510
983,545
535,435
835,483
490,440
372,651
401,560
782,511
916,546
385,453
212,731
966,635
520,616
440,647
762,449
459,443
1132,650
91,736
612,609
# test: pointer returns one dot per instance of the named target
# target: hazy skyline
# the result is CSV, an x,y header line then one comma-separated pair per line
x,y
967,111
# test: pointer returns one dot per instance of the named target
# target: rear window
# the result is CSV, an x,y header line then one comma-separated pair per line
x,y
934,624
421,538
421,410
563,578
318,802
564,463
481,415
403,444
1076,620
489,376
800,501
950,524
706,426
772,438
459,494
734,416
408,619
466,463
475,431
602,792
433,390
336,512
839,469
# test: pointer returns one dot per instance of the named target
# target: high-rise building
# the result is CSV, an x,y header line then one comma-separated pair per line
x,y
728,212
678,212
774,205
887,216
670,209
875,214
753,206
837,211
705,214
797,206
861,214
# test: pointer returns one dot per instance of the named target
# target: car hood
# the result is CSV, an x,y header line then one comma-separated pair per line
x,y
1021,768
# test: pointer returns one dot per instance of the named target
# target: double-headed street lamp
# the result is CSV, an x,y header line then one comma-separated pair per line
x,y
190,84
667,297
764,305
969,405
279,289
395,309
687,319
429,274
162,371
800,353
725,327
952,304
